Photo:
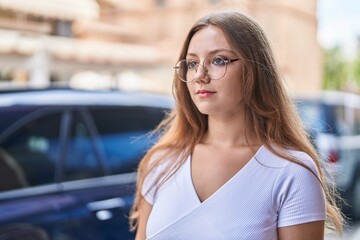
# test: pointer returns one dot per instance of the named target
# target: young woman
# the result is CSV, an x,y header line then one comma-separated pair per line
x,y
234,161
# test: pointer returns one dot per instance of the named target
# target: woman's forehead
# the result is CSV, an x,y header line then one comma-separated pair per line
x,y
208,40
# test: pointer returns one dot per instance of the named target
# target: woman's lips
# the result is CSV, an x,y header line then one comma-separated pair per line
x,y
205,93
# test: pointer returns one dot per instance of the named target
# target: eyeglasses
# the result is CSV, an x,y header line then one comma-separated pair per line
x,y
214,67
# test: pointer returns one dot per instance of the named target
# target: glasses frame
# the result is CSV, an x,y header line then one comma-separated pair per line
x,y
227,61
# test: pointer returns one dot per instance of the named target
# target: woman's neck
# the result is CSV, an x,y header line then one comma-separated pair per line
x,y
228,132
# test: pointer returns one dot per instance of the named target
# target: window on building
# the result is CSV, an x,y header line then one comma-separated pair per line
x,y
214,1
62,28
160,3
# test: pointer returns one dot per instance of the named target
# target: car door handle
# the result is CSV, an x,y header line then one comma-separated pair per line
x,y
107,204
102,209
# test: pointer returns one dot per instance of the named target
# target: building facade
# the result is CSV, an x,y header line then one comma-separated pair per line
x,y
134,44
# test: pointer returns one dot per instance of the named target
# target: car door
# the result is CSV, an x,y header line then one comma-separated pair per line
x,y
56,174
102,200
74,170
119,137
28,157
113,139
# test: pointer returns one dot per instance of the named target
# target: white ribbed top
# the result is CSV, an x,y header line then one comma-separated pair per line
x,y
267,193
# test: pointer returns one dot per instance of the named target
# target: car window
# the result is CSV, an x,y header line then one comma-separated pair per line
x,y
343,120
29,154
81,161
13,114
356,130
317,117
349,120
123,132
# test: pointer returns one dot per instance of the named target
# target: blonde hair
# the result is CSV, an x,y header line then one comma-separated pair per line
x,y
268,110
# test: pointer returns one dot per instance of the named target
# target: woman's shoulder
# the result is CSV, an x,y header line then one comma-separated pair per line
x,y
163,161
272,158
293,171
161,165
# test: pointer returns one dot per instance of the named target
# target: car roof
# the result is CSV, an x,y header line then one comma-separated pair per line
x,y
84,97
329,97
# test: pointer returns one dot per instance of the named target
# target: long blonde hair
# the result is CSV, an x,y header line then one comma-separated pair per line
x,y
267,107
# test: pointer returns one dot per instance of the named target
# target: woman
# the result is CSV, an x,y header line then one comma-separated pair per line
x,y
234,161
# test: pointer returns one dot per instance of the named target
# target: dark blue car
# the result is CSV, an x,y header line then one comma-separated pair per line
x,y
68,160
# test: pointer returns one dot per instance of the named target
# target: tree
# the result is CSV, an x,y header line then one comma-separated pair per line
x,y
335,72
356,68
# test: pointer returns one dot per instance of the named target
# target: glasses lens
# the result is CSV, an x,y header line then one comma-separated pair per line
x,y
181,69
215,67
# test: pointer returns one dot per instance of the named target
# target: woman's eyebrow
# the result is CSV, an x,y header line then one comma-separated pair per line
x,y
212,52
221,50
191,54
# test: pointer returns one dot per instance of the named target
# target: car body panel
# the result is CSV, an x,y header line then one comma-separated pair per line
x,y
70,159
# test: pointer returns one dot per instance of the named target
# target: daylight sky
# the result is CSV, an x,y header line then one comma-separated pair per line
x,y
339,23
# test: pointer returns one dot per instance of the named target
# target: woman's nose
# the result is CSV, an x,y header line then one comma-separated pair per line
x,y
201,74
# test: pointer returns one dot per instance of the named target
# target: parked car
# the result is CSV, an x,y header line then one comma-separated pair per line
x,y
333,121
68,160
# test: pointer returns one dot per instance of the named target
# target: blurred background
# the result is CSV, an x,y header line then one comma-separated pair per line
x,y
134,44
75,150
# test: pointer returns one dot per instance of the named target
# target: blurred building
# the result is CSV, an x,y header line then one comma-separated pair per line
x,y
134,44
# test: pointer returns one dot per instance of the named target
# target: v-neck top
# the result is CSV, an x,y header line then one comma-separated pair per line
x,y
267,193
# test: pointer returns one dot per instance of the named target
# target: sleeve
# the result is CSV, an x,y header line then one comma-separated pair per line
x,y
148,188
299,196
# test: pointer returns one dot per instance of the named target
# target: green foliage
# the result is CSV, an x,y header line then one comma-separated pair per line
x,y
341,73
335,73
356,70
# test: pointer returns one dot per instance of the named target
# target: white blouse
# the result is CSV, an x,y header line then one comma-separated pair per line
x,y
267,193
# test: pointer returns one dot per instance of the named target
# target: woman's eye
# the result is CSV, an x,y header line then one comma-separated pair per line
x,y
219,61
191,65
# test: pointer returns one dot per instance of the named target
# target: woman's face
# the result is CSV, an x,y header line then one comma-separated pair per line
x,y
215,97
